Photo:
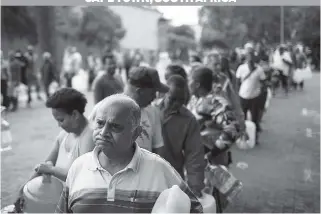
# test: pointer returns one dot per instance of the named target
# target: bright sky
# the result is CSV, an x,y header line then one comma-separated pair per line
x,y
181,14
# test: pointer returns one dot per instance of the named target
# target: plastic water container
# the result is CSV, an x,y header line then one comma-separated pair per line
x,y
42,194
8,209
223,180
242,143
172,200
208,203
79,81
53,87
268,99
6,137
21,92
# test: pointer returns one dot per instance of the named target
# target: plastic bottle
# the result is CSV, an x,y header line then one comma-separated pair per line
x,y
208,203
172,200
224,181
6,137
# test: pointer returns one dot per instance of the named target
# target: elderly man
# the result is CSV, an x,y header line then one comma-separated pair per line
x,y
118,176
181,133
143,83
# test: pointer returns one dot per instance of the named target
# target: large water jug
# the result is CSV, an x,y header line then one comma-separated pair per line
x,y
21,92
208,203
80,81
53,87
172,200
42,194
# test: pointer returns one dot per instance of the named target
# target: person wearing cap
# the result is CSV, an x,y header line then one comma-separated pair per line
x,y
181,133
106,84
250,76
118,176
142,85
215,114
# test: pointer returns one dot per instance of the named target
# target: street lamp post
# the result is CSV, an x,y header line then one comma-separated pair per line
x,y
282,25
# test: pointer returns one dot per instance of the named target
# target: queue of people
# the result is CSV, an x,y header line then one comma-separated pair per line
x,y
19,74
144,136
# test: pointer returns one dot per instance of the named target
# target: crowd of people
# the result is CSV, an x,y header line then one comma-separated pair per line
x,y
114,160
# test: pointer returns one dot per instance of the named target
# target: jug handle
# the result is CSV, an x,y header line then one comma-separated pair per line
x,y
45,177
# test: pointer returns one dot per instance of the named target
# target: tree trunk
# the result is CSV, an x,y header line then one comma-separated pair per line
x,y
47,31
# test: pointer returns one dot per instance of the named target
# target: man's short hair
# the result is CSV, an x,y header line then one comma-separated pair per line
x,y
67,99
204,76
177,70
178,81
124,100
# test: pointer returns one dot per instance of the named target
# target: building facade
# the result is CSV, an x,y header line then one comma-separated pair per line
x,y
141,26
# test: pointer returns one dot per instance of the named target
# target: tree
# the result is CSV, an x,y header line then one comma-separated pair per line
x,y
219,24
18,21
180,40
236,25
46,28
93,25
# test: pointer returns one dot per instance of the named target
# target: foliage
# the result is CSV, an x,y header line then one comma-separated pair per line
x,y
92,25
236,25
18,21
304,23
180,39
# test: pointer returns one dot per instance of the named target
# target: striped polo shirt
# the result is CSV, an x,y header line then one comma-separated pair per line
x,y
135,189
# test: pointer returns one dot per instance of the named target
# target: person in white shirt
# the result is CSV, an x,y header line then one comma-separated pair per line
x,y
250,76
71,64
282,62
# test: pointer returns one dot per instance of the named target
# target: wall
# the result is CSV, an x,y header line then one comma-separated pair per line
x,y
141,26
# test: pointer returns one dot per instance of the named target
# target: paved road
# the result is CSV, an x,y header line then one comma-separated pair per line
x,y
283,172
